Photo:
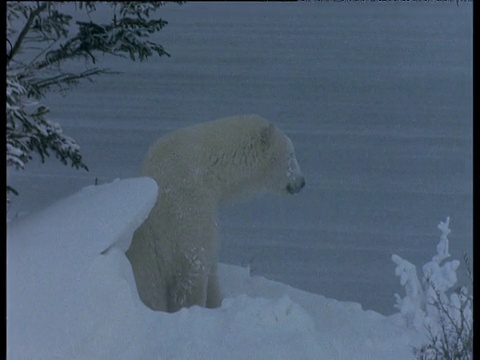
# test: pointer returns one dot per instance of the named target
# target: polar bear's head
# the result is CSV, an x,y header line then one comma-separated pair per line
x,y
232,158
282,172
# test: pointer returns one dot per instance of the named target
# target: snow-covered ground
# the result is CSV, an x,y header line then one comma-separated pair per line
x,y
71,295
376,97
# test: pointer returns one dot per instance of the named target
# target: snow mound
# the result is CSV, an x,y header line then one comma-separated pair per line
x,y
71,295
59,284
258,323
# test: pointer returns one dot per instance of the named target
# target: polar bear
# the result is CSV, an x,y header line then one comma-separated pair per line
x,y
198,169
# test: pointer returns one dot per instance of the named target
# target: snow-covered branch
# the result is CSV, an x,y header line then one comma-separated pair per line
x,y
431,307
29,131
33,73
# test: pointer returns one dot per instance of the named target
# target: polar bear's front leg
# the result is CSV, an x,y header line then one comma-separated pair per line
x,y
199,286
190,282
187,291
150,281
202,289
214,297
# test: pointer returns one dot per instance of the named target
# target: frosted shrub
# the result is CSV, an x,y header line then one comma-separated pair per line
x,y
431,307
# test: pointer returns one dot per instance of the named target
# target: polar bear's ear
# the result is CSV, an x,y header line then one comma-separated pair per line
x,y
266,135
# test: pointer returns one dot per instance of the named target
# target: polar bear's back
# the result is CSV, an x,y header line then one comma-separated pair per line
x,y
182,148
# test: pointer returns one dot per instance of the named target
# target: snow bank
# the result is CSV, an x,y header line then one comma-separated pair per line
x,y
71,295
59,284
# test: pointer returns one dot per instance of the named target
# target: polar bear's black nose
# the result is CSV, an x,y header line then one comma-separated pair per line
x,y
293,188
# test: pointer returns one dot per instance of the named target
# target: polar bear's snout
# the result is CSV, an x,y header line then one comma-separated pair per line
x,y
296,186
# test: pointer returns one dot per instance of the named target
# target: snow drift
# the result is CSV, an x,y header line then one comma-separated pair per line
x,y
71,295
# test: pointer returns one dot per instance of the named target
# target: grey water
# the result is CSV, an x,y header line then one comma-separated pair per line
x,y
376,97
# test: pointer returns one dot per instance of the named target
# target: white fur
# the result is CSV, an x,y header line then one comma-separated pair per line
x,y
197,169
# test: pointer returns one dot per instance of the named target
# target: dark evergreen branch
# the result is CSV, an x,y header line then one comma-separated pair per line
x,y
46,33
38,86
26,29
